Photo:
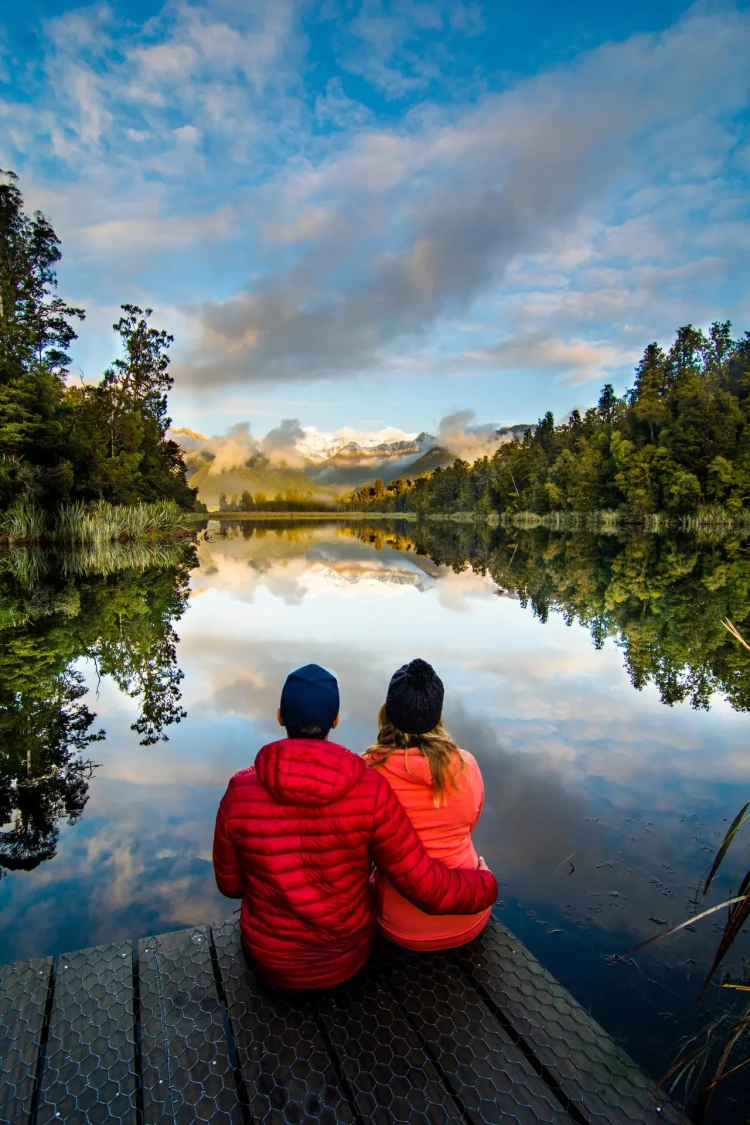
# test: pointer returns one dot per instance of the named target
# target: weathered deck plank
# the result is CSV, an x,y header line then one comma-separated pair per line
x,y
186,1070
184,1034
89,1070
288,1074
392,1077
596,1074
480,1063
23,996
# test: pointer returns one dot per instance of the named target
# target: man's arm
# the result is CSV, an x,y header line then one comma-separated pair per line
x,y
227,863
400,854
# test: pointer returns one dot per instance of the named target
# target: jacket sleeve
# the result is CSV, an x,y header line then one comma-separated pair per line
x,y
227,863
399,853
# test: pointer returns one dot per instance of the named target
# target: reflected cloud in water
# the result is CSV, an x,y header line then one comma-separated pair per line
x,y
602,805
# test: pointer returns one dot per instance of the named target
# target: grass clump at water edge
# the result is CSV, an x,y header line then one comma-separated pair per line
x,y
92,525
722,1049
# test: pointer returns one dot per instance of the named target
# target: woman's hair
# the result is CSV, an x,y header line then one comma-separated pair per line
x,y
437,746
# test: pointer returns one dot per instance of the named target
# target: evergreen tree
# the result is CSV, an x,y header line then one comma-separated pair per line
x,y
678,443
57,442
35,333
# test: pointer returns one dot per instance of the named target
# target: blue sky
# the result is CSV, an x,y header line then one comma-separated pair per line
x,y
377,212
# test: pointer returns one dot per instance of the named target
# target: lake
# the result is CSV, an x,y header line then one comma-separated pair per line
x,y
589,674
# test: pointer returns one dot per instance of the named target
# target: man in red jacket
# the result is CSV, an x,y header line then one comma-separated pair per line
x,y
296,836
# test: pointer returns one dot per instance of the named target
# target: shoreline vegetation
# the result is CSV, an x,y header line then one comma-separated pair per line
x,y
92,526
606,521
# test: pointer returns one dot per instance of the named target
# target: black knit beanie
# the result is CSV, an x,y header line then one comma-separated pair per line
x,y
414,702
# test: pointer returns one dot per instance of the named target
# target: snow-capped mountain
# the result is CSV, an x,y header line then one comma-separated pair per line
x,y
318,448
314,463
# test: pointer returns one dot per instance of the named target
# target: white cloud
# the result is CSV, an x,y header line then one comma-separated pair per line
x,y
424,222
570,218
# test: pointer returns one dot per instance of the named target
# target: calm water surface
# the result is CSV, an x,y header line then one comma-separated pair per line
x,y
605,800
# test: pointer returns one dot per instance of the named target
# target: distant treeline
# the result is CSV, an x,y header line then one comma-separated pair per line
x,y
290,501
61,443
677,443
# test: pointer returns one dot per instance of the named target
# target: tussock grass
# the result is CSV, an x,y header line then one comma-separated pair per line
x,y
107,523
24,523
92,525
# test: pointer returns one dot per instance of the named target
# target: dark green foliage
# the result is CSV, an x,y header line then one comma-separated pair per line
x,y
678,443
123,623
104,441
664,598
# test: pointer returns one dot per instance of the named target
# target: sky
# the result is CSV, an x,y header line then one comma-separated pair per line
x,y
374,213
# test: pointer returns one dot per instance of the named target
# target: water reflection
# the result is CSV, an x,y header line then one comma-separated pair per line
x,y
663,597
603,805
55,610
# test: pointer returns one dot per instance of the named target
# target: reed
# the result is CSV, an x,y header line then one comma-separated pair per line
x,y
107,523
23,523
727,1038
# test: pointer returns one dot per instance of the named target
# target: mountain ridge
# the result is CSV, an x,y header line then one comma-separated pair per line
x,y
314,465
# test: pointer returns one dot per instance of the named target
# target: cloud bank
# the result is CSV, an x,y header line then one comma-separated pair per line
x,y
292,445
293,229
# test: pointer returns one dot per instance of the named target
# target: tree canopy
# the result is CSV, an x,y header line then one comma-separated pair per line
x,y
58,442
678,443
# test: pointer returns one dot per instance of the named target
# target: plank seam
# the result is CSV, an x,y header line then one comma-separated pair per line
x,y
43,1038
446,1081
140,1109
163,1022
344,1085
234,1059
546,1075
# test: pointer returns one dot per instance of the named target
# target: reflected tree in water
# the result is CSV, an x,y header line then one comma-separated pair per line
x,y
124,623
663,598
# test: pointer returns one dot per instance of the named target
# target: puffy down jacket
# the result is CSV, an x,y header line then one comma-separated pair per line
x,y
296,836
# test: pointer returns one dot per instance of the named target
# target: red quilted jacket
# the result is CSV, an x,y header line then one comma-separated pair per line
x,y
296,837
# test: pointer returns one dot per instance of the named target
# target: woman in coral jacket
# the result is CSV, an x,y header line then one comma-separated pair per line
x,y
441,789
296,837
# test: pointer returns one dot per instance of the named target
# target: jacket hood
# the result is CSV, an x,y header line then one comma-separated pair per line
x,y
307,771
415,768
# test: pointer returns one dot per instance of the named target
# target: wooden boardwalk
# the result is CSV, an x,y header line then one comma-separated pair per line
x,y
174,1030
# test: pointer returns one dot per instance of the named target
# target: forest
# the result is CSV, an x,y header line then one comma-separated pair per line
x,y
62,442
677,443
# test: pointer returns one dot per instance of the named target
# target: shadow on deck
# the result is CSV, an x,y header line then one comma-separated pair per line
x,y
173,1030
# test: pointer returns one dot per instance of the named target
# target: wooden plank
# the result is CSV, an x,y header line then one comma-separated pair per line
x,y
186,1071
289,1077
593,1071
23,996
89,1070
478,1060
393,1079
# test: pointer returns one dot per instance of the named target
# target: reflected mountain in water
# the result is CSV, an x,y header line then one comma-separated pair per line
x,y
575,762
663,598
54,611
309,559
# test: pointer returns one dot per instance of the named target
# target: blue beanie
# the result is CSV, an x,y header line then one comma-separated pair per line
x,y
310,698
